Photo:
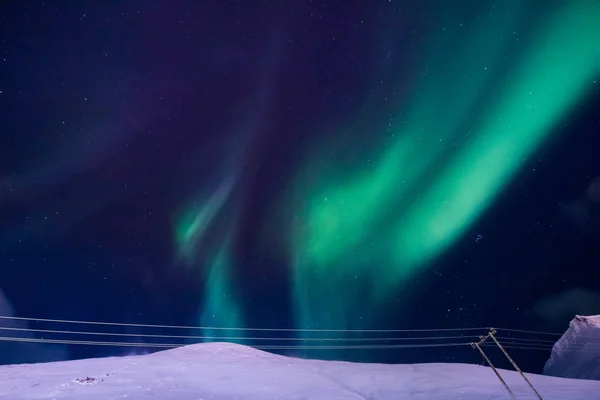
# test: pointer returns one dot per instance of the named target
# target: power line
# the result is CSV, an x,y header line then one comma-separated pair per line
x,y
525,348
522,339
65,321
576,346
266,347
382,339
529,332
517,347
513,345
244,329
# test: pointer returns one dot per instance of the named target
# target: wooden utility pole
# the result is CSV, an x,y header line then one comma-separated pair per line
x,y
491,335
477,346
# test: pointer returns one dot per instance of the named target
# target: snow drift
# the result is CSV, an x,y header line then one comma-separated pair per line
x,y
577,352
223,371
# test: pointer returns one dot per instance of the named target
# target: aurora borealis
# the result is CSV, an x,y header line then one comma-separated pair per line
x,y
306,167
493,92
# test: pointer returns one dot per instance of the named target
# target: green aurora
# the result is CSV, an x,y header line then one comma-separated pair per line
x,y
221,309
488,92
220,314
490,98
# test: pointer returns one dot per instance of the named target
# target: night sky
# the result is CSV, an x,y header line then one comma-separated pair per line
x,y
299,164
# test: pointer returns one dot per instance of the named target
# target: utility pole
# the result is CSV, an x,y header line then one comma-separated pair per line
x,y
477,346
491,335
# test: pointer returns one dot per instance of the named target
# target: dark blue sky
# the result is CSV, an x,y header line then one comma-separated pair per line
x,y
112,114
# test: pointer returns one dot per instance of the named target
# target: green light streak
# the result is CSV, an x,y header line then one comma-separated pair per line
x,y
342,213
553,77
220,306
192,225
486,101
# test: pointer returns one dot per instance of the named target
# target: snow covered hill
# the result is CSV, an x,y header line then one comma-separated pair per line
x,y
223,371
577,352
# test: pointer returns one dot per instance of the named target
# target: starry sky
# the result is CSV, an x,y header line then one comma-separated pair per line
x,y
329,165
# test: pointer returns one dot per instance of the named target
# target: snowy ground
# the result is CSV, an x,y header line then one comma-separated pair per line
x,y
226,372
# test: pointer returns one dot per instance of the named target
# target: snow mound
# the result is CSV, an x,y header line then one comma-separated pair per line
x,y
577,352
221,348
224,371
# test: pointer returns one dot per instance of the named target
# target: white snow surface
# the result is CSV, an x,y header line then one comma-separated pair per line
x,y
224,371
577,353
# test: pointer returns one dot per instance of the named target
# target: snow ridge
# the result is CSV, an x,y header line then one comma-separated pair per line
x,y
225,371
577,353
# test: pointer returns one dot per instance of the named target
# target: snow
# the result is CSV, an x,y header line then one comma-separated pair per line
x,y
224,371
577,353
